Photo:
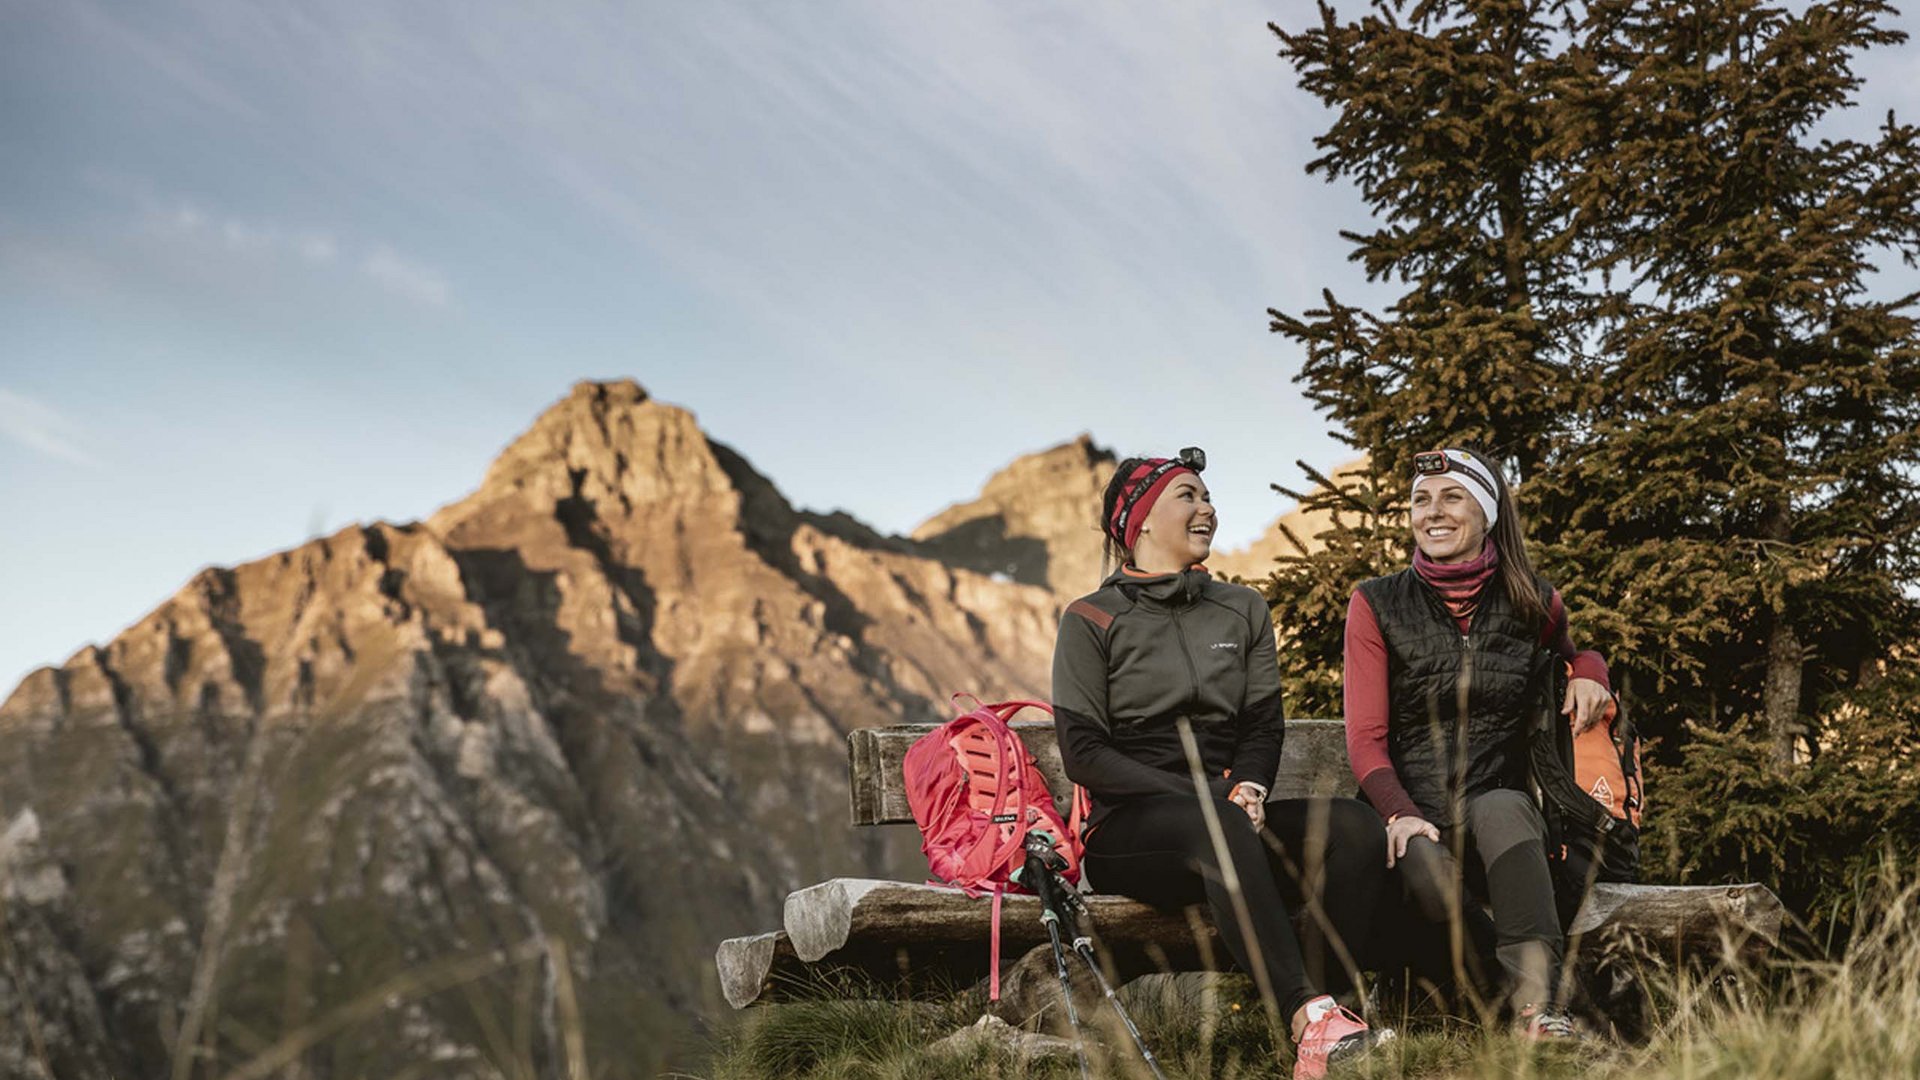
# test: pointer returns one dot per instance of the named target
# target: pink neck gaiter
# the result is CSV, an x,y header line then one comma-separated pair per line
x,y
1459,584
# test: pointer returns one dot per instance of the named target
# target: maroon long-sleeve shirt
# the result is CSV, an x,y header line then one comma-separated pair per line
x,y
1366,697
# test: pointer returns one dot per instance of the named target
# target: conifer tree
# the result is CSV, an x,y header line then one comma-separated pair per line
x,y
1742,500
1447,123
1635,274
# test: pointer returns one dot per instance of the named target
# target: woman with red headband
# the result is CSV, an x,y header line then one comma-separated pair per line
x,y
1441,663
1161,645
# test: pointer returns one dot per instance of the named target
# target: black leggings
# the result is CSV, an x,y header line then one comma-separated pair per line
x,y
1328,856
1507,836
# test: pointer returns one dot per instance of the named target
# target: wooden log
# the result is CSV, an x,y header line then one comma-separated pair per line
x,y
747,966
1313,762
1690,918
1623,930
1029,1048
830,916
909,936
845,912
1672,922
1030,989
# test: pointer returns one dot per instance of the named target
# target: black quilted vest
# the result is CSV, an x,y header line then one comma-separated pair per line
x,y
1430,666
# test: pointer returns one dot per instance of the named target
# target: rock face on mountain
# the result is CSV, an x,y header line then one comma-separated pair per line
x,y
481,791
1034,521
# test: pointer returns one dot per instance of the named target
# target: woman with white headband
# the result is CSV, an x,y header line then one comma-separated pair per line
x,y
1440,659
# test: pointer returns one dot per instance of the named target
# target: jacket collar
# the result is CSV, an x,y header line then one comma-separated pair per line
x,y
1180,587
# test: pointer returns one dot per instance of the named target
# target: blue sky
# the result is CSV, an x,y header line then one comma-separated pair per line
x,y
268,269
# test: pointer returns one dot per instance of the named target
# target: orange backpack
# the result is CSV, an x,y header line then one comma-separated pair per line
x,y
1591,792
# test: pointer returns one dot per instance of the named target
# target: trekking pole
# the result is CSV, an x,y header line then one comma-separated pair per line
x,y
1036,871
1083,947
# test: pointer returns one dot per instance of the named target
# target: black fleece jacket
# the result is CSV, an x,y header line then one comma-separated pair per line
x,y
1143,651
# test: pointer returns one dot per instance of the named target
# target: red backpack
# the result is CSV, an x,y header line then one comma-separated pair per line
x,y
976,794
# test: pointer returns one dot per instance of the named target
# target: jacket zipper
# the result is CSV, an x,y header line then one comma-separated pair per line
x,y
1463,671
1193,675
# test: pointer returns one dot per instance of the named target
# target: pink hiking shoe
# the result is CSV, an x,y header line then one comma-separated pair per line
x,y
1332,1034
1546,1023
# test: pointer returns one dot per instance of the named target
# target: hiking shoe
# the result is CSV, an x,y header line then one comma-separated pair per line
x,y
1545,1022
1332,1034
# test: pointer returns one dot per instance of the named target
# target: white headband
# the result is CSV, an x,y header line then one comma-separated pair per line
x,y
1483,488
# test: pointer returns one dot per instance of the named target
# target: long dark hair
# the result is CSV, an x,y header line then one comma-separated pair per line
x,y
1112,552
1516,573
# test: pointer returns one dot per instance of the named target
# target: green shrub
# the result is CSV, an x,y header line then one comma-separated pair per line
x,y
1816,833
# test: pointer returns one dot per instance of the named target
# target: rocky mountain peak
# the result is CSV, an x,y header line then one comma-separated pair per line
x,y
609,444
1033,520
602,701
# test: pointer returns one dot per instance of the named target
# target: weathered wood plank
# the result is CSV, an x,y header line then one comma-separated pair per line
x,y
746,965
1683,919
1314,762
830,916
916,935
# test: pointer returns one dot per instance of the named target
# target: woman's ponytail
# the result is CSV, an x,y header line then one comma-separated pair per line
x,y
1113,553
1516,573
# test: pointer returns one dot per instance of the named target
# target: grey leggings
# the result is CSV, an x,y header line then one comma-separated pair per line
x,y
1506,832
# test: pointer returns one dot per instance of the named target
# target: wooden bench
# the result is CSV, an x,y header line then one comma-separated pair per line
x,y
914,935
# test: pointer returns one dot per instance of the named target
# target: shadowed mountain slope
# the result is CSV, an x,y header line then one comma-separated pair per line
x,y
1033,522
1036,521
464,787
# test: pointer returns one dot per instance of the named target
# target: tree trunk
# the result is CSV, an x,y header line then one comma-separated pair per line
x,y
1785,658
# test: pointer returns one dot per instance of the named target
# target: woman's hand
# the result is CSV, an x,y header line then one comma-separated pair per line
x,y
1248,798
1403,829
1587,700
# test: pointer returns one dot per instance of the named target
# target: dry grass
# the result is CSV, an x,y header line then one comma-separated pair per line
x,y
1799,1019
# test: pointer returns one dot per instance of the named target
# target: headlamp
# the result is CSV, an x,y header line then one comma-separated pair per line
x,y
1460,463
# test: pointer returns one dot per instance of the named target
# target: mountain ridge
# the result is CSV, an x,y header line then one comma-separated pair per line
x,y
596,702
574,727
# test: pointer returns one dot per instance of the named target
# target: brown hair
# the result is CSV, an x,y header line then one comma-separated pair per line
x,y
1516,573
1112,552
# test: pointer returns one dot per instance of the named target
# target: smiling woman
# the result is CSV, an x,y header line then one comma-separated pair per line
x,y
1466,623
1163,671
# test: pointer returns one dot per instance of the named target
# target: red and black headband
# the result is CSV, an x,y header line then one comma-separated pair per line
x,y
1143,486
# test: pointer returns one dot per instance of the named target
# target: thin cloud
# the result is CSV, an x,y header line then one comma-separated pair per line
x,y
182,65
405,278
42,428
183,220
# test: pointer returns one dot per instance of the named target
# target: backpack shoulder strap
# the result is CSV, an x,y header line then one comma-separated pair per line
x,y
1005,710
